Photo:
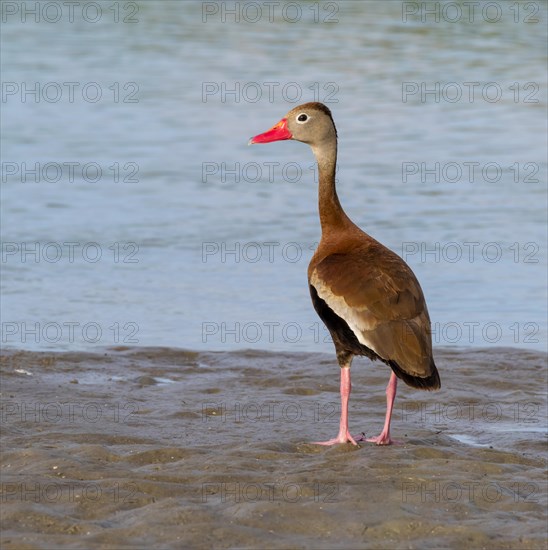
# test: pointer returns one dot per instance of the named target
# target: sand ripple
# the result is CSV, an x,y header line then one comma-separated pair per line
x,y
163,448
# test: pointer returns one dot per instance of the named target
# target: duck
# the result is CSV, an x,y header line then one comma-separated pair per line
x,y
366,295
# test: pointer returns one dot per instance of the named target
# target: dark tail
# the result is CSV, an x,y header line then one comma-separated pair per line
x,y
429,383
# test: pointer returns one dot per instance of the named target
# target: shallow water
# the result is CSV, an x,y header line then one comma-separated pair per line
x,y
166,267
189,238
168,448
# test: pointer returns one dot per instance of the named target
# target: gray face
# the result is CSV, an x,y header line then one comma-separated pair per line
x,y
311,124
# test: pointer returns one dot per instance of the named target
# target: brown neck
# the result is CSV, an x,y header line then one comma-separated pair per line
x,y
331,212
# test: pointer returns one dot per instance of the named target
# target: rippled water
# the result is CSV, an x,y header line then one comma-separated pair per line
x,y
170,448
199,241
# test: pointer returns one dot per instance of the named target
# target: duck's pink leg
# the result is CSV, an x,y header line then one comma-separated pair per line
x,y
344,435
384,437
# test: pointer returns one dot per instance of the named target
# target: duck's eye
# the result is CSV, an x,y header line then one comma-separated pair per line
x,y
302,118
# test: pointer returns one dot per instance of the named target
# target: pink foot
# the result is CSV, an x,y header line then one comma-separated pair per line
x,y
341,438
383,439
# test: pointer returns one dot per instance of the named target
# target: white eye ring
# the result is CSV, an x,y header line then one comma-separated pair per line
x,y
302,121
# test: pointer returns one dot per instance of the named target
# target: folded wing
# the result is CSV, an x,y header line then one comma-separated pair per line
x,y
380,299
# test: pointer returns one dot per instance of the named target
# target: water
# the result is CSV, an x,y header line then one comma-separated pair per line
x,y
119,448
171,247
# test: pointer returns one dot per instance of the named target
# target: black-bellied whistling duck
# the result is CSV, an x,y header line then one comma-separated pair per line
x,y
367,296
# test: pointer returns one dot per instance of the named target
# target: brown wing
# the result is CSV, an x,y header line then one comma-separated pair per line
x,y
380,299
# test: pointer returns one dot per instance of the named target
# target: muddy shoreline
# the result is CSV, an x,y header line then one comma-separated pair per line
x,y
167,448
